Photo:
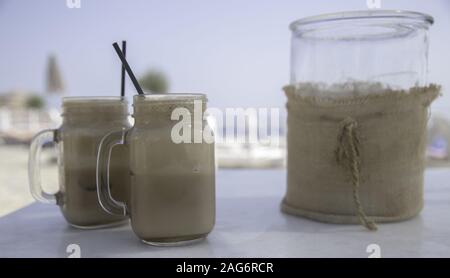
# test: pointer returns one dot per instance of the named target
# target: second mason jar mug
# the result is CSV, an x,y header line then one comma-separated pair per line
x,y
85,121
172,190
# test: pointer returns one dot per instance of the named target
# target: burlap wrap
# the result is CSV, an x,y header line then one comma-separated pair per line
x,y
357,159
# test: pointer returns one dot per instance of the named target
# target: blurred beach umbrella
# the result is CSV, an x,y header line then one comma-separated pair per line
x,y
54,80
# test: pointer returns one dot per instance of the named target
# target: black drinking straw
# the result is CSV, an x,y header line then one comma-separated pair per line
x,y
128,69
122,83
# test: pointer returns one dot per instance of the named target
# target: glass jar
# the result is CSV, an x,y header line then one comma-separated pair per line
x,y
172,170
85,121
357,107
390,47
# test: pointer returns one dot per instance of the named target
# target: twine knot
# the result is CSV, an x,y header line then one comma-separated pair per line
x,y
347,154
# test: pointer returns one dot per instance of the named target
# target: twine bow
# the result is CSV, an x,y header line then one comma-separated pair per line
x,y
347,154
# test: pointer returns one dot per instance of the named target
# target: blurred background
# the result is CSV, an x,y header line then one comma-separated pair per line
x,y
237,52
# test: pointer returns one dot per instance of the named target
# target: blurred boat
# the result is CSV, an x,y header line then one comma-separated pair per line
x,y
18,126
437,151
23,113
438,148
245,155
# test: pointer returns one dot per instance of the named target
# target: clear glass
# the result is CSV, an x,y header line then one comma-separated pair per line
x,y
390,47
85,122
172,195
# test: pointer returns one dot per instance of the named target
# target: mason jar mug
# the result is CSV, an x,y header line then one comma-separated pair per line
x,y
172,170
85,121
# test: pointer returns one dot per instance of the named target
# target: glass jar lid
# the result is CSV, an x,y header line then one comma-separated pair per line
x,y
361,25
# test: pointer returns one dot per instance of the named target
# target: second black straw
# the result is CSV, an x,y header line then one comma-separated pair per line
x,y
128,69
122,83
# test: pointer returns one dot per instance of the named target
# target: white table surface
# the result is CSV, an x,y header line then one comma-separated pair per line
x,y
249,224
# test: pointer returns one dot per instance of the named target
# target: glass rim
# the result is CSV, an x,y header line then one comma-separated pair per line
x,y
93,99
362,14
158,98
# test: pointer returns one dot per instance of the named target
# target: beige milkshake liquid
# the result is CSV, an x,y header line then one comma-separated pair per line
x,y
79,202
174,190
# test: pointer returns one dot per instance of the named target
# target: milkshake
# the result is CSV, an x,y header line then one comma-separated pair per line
x,y
172,194
85,122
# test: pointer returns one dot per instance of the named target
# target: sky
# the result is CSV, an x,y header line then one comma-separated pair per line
x,y
235,51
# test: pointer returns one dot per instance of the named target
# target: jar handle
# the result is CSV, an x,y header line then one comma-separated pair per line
x,y
107,202
34,173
